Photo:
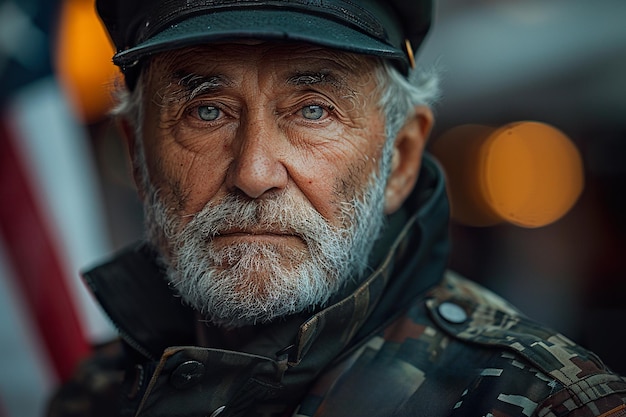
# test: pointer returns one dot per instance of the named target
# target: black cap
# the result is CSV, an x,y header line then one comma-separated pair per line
x,y
391,29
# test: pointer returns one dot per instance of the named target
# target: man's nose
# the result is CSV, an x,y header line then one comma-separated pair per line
x,y
257,167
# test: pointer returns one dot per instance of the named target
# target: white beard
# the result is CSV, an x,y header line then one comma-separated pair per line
x,y
255,282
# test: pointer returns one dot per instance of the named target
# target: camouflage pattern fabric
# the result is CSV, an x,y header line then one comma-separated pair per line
x,y
428,362
482,359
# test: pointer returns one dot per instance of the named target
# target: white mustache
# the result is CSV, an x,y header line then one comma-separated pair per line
x,y
283,214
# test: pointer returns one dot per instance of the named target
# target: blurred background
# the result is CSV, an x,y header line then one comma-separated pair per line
x,y
67,200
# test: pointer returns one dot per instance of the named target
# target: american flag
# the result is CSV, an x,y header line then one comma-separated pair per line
x,y
51,217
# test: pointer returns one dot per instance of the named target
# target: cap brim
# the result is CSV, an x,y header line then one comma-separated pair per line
x,y
259,24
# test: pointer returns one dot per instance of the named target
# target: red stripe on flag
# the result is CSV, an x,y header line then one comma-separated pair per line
x,y
38,269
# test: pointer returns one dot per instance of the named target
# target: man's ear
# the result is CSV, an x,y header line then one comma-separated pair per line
x,y
128,133
407,157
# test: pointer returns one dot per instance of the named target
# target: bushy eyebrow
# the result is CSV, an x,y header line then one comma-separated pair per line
x,y
307,78
196,84
187,86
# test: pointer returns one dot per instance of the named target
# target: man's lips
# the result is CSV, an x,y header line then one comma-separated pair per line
x,y
280,231
235,234
255,232
258,234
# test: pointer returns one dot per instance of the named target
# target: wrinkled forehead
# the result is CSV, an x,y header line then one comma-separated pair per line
x,y
279,59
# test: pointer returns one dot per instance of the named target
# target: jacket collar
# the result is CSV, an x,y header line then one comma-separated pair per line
x,y
151,318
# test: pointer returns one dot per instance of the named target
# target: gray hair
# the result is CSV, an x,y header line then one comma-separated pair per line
x,y
399,95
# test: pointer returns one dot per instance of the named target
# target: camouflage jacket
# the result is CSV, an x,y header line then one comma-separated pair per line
x,y
410,340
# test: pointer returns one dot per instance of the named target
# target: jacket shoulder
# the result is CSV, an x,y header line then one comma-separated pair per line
x,y
482,317
94,389
473,314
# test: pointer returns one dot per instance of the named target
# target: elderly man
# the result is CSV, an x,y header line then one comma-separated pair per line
x,y
296,250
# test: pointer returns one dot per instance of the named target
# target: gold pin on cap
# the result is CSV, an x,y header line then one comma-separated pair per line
x,y
409,52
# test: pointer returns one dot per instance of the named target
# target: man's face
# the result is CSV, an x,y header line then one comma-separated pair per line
x,y
263,192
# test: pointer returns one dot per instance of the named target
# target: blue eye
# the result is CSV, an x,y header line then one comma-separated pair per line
x,y
208,113
312,112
